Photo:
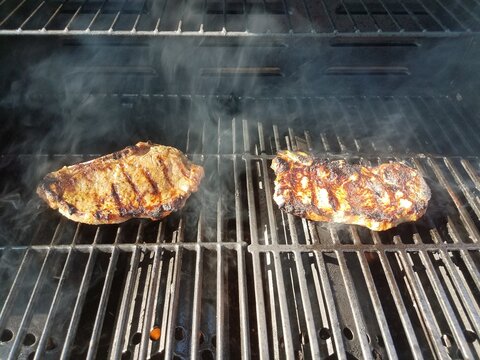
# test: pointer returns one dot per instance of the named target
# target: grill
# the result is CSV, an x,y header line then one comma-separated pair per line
x,y
230,83
231,272
130,17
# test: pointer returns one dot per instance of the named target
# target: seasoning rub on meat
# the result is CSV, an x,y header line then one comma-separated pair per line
x,y
141,181
379,197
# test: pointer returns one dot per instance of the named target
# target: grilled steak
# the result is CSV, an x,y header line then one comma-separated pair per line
x,y
378,197
142,181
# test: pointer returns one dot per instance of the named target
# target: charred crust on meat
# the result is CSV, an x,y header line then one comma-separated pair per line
x,y
281,165
150,180
166,175
71,209
356,194
99,215
117,200
129,180
147,187
117,155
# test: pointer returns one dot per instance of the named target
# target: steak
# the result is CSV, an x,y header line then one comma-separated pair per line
x,y
141,181
379,197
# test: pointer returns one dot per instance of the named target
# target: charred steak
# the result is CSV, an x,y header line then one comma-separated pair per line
x,y
141,181
379,197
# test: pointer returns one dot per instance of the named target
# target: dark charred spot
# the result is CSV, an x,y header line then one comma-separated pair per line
x,y
166,175
71,209
140,150
98,215
282,165
303,157
333,201
115,195
117,155
49,180
152,182
129,180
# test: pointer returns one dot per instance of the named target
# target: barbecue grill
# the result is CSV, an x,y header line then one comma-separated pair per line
x,y
230,83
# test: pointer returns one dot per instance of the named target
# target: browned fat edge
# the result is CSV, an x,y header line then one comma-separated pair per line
x,y
132,150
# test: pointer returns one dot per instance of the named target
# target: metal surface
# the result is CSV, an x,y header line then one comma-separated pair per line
x,y
231,276
237,18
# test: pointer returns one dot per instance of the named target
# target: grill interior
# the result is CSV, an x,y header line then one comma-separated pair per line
x,y
230,83
230,274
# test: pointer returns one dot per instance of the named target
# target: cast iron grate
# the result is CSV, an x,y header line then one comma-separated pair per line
x,y
231,275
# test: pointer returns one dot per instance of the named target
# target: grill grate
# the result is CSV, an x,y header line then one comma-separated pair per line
x,y
231,274
195,17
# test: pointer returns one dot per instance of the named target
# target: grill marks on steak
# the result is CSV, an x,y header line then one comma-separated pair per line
x,y
145,180
379,197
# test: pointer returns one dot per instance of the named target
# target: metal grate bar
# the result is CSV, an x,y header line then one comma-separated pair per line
x,y
285,318
220,285
220,307
446,307
82,292
372,291
54,307
117,15
57,10
97,327
258,282
28,311
197,295
430,14
425,310
5,19
471,307
329,17
328,297
173,297
353,300
452,15
14,288
153,291
412,15
372,18
464,216
31,15
391,16
242,287
382,322
312,335
74,16
125,305
462,185
400,304
350,17
470,12
361,16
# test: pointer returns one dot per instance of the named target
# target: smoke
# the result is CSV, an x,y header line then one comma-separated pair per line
x,y
66,99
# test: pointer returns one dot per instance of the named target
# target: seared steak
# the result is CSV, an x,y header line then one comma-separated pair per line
x,y
378,197
141,181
